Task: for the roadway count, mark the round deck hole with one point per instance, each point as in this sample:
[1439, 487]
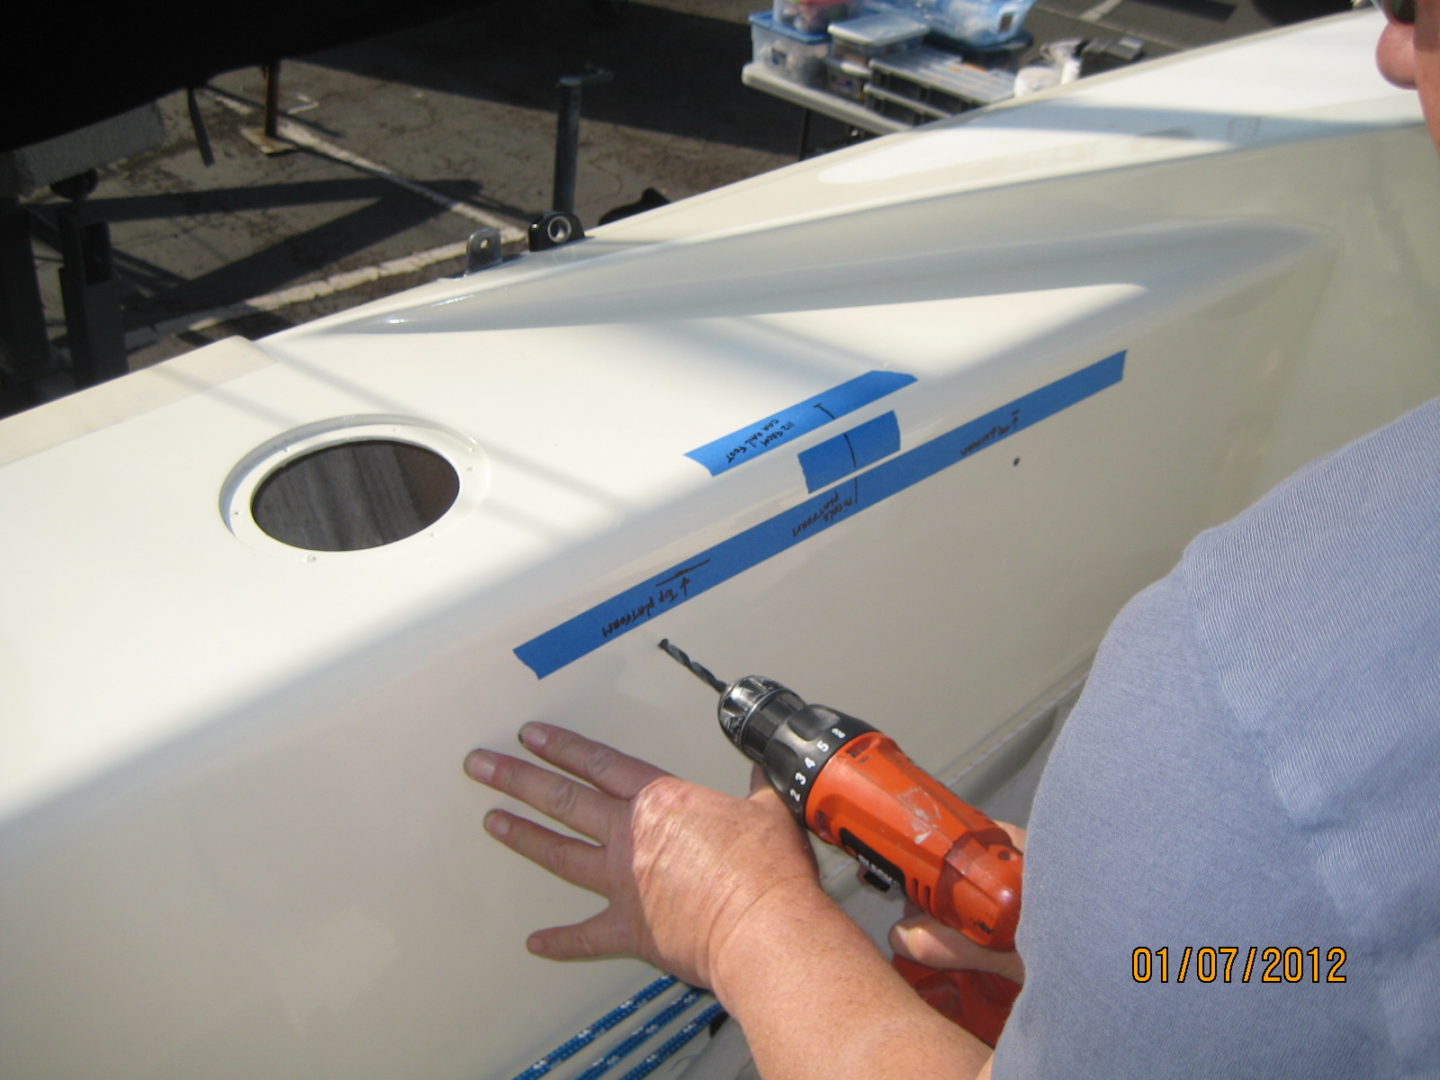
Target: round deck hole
[354, 495]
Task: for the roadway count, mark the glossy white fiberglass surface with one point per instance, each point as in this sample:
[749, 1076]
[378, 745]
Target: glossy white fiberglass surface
[236, 840]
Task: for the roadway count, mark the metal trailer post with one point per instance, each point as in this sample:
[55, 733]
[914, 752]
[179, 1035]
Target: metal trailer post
[567, 135]
[25, 356]
[89, 287]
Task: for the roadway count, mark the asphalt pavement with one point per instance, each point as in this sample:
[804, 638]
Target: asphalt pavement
[395, 148]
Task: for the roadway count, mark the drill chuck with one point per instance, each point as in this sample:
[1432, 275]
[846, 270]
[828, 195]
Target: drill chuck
[751, 709]
[788, 738]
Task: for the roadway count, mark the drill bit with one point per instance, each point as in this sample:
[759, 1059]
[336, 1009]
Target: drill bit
[701, 672]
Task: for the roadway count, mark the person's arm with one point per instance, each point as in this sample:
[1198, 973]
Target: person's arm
[817, 1000]
[722, 892]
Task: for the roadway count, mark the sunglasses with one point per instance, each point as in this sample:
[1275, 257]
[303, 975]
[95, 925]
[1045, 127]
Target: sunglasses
[1402, 11]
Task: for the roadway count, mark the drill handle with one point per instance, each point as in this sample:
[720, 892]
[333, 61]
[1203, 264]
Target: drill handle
[902, 824]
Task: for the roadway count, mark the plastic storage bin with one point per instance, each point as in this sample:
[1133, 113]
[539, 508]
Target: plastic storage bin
[847, 80]
[787, 52]
[926, 83]
[858, 41]
[811, 16]
[969, 22]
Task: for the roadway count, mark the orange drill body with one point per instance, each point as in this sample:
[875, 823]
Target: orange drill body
[954, 862]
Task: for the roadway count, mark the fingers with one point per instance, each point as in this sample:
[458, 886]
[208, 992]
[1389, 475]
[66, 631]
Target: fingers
[597, 936]
[933, 944]
[581, 808]
[573, 860]
[930, 942]
[758, 780]
[1015, 832]
[609, 770]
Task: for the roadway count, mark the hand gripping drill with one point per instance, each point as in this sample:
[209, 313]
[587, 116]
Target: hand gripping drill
[853, 787]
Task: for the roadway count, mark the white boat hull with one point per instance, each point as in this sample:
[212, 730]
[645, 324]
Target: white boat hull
[235, 839]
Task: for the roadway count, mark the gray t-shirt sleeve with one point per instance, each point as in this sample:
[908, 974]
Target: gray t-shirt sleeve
[1254, 765]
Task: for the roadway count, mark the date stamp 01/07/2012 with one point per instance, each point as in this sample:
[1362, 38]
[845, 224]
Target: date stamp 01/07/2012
[1233, 963]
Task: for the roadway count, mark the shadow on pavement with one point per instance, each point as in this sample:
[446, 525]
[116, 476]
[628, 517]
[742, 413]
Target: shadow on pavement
[675, 72]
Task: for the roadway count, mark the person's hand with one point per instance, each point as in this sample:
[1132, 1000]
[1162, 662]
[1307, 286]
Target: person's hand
[928, 941]
[680, 864]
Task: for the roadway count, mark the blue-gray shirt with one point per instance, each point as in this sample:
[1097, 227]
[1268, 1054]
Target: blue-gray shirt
[1255, 764]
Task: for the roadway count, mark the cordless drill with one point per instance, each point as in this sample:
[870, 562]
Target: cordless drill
[854, 788]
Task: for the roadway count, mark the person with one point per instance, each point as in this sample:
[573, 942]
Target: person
[1247, 787]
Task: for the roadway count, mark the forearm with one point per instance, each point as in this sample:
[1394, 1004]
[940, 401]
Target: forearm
[817, 999]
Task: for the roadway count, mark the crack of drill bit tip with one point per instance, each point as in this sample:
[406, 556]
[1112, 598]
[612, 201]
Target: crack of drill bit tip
[704, 674]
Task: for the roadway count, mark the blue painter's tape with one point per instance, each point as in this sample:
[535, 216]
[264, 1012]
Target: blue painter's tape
[837, 458]
[775, 430]
[634, 607]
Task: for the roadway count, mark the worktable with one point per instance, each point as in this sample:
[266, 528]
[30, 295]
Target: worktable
[813, 99]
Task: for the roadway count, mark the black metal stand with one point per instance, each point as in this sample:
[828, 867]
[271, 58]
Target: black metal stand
[266, 138]
[29, 371]
[567, 135]
[89, 287]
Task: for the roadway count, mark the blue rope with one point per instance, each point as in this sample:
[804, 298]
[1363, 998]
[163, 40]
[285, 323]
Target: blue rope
[678, 1040]
[640, 1035]
[586, 1036]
